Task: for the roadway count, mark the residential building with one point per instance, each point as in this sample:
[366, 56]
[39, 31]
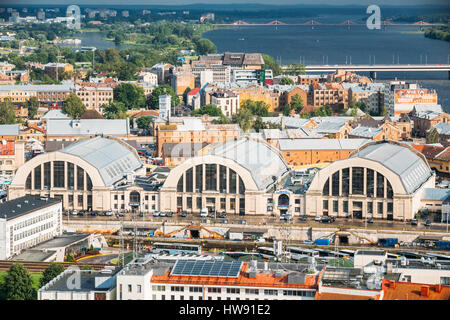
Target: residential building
[301, 152]
[427, 116]
[52, 69]
[12, 77]
[27, 221]
[226, 100]
[443, 130]
[401, 97]
[94, 97]
[165, 106]
[145, 279]
[92, 285]
[163, 71]
[174, 154]
[12, 156]
[69, 130]
[195, 131]
[148, 77]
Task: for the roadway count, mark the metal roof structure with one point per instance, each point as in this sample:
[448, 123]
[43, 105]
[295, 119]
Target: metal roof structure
[401, 159]
[88, 127]
[264, 162]
[442, 128]
[366, 132]
[9, 130]
[55, 114]
[112, 158]
[289, 122]
[207, 268]
[27, 204]
[435, 194]
[321, 144]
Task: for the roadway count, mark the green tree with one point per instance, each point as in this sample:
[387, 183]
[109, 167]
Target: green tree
[185, 94]
[269, 63]
[144, 122]
[287, 81]
[114, 110]
[163, 89]
[205, 46]
[73, 106]
[295, 69]
[208, 109]
[127, 72]
[243, 118]
[286, 110]
[7, 112]
[384, 111]
[132, 96]
[296, 103]
[50, 273]
[432, 136]
[18, 284]
[256, 108]
[32, 105]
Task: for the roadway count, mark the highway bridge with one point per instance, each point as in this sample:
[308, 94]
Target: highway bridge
[317, 23]
[373, 69]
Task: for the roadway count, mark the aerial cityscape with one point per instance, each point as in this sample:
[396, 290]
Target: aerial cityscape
[224, 151]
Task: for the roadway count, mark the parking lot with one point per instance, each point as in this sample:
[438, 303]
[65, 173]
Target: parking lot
[221, 218]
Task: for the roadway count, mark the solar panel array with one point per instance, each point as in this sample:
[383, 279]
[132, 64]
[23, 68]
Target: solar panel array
[207, 268]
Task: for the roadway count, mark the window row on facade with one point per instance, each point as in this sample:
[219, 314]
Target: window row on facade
[211, 177]
[358, 181]
[58, 174]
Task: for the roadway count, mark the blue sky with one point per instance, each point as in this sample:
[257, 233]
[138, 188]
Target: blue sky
[182, 2]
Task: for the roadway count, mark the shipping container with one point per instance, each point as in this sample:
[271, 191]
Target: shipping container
[322, 242]
[387, 242]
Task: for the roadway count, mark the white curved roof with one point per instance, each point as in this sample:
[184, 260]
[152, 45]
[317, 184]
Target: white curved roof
[113, 159]
[411, 168]
[257, 156]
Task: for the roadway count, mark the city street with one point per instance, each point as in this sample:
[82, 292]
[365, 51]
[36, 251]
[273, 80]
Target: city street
[268, 220]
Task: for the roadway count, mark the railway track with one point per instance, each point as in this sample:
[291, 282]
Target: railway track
[41, 266]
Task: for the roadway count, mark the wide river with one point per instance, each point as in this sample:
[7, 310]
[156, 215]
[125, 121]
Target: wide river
[343, 45]
[332, 45]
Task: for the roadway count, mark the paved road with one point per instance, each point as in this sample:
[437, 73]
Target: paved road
[268, 220]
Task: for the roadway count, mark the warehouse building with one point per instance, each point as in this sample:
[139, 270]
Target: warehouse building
[383, 180]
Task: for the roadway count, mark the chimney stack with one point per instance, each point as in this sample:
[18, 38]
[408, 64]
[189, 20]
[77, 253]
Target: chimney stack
[425, 291]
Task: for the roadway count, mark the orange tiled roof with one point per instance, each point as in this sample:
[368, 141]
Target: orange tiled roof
[414, 291]
[444, 155]
[337, 296]
[145, 113]
[7, 148]
[428, 151]
[261, 280]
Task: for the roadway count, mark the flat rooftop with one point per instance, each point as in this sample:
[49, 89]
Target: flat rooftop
[87, 281]
[24, 205]
[65, 240]
[34, 255]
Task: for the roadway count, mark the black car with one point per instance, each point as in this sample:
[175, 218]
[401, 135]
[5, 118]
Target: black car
[94, 213]
[326, 219]
[141, 214]
[302, 218]
[370, 220]
[427, 223]
[169, 214]
[81, 213]
[414, 222]
[183, 214]
[223, 214]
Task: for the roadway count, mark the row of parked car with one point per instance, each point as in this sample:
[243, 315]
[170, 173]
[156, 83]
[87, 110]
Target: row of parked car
[82, 213]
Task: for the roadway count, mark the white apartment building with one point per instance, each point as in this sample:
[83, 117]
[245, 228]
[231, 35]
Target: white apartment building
[164, 106]
[227, 101]
[145, 278]
[27, 221]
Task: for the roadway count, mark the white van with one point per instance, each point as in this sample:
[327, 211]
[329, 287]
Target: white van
[204, 212]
